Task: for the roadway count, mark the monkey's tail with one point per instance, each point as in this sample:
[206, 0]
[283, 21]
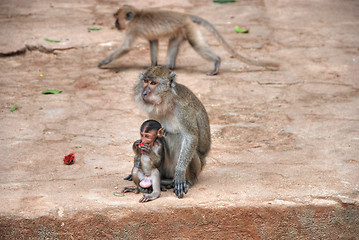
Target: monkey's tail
[210, 27]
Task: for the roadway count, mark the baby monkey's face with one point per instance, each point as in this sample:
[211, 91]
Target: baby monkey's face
[148, 137]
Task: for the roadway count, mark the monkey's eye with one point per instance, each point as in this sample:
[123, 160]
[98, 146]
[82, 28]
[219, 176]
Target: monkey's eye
[145, 80]
[153, 83]
[129, 16]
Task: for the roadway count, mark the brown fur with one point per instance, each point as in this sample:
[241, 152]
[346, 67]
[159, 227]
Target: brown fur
[154, 24]
[185, 120]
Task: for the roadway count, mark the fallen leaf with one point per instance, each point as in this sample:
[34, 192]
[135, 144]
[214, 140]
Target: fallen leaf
[13, 108]
[51, 91]
[241, 30]
[51, 40]
[118, 194]
[94, 28]
[223, 1]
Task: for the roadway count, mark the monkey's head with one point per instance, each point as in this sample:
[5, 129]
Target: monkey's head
[156, 88]
[150, 130]
[124, 15]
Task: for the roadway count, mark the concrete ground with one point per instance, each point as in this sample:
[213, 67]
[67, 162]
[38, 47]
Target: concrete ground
[284, 160]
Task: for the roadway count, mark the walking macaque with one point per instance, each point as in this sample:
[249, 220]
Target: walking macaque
[185, 120]
[154, 24]
[149, 156]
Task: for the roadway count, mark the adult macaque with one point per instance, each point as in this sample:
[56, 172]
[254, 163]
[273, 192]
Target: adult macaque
[154, 24]
[185, 120]
[149, 156]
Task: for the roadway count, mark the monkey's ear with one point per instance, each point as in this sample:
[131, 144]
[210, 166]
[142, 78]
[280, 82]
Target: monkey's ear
[142, 76]
[129, 16]
[172, 79]
[160, 133]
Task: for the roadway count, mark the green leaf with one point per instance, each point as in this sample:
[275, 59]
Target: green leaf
[235, 137]
[78, 146]
[51, 91]
[51, 40]
[223, 1]
[118, 194]
[13, 108]
[241, 30]
[94, 28]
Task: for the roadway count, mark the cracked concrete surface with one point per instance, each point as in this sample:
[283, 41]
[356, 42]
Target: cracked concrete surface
[284, 161]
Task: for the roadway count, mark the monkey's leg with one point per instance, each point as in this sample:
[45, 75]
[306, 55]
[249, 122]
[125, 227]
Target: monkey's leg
[172, 51]
[156, 185]
[186, 155]
[196, 40]
[154, 51]
[137, 175]
[125, 48]
[136, 167]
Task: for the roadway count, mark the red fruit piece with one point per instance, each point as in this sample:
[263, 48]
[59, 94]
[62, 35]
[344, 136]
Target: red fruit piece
[69, 159]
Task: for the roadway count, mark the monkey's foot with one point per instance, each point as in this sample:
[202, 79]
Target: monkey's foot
[129, 177]
[170, 67]
[130, 189]
[145, 199]
[216, 67]
[164, 187]
[149, 197]
[212, 73]
[145, 190]
[104, 62]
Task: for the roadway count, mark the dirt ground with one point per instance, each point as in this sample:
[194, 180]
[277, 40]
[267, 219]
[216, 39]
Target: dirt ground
[284, 160]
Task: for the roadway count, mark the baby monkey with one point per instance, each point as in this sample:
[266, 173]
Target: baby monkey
[148, 157]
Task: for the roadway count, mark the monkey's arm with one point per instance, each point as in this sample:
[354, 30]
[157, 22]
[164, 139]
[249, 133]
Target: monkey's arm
[125, 48]
[135, 147]
[136, 164]
[189, 143]
[136, 160]
[156, 154]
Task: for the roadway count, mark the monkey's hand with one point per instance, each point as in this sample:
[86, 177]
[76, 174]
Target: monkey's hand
[180, 184]
[145, 149]
[136, 148]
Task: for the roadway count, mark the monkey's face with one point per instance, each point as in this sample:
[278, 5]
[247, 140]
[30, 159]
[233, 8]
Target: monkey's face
[148, 137]
[123, 16]
[150, 91]
[156, 90]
